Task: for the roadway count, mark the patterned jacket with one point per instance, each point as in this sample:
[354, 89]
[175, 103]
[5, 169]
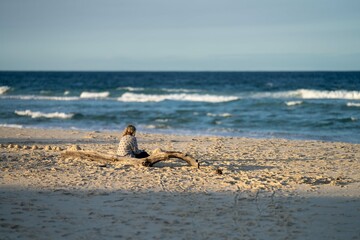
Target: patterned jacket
[128, 146]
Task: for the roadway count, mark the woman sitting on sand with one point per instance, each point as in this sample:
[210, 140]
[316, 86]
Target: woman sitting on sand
[128, 144]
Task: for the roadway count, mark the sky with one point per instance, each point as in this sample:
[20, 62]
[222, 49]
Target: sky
[180, 35]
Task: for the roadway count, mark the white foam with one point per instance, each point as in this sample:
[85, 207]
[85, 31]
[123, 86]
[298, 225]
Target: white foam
[338, 94]
[130, 89]
[94, 94]
[312, 94]
[132, 97]
[293, 103]
[162, 120]
[11, 125]
[176, 90]
[4, 89]
[44, 115]
[35, 97]
[219, 115]
[352, 104]
[180, 90]
[66, 92]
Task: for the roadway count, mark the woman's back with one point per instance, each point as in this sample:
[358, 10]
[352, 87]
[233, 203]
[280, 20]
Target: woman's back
[128, 146]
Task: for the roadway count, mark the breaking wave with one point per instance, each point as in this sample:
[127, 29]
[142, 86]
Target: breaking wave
[293, 103]
[312, 94]
[180, 90]
[32, 114]
[83, 96]
[94, 94]
[225, 115]
[131, 89]
[173, 90]
[132, 97]
[4, 89]
[352, 104]
[36, 97]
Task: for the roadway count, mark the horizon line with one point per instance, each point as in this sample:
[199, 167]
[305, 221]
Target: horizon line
[179, 70]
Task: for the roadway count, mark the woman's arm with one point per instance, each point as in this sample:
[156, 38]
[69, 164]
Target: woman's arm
[134, 146]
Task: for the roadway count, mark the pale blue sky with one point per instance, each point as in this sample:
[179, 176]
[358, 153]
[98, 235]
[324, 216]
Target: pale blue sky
[239, 35]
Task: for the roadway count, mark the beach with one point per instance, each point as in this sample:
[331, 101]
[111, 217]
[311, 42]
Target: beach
[245, 188]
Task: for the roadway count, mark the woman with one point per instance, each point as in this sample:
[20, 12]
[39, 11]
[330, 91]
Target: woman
[128, 144]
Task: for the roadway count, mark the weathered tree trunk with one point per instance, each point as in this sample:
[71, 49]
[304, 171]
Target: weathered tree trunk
[157, 156]
[166, 155]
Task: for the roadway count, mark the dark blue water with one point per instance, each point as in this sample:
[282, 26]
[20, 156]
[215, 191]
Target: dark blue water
[293, 105]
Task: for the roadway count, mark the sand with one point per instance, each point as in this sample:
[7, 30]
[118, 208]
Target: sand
[245, 188]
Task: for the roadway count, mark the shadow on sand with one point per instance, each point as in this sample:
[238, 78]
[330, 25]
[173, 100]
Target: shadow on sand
[99, 214]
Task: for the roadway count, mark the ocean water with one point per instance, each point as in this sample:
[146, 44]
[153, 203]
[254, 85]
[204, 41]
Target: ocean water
[292, 105]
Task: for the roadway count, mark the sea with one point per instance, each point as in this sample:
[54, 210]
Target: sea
[291, 105]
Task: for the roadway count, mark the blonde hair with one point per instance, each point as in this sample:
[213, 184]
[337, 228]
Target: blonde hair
[129, 130]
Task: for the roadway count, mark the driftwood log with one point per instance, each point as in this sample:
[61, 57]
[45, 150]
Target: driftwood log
[157, 156]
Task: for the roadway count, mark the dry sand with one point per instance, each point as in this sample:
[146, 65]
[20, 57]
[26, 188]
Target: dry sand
[267, 189]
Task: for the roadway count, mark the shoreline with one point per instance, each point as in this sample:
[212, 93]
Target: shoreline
[268, 189]
[189, 133]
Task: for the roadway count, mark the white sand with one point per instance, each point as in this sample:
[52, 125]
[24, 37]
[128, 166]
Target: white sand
[268, 189]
